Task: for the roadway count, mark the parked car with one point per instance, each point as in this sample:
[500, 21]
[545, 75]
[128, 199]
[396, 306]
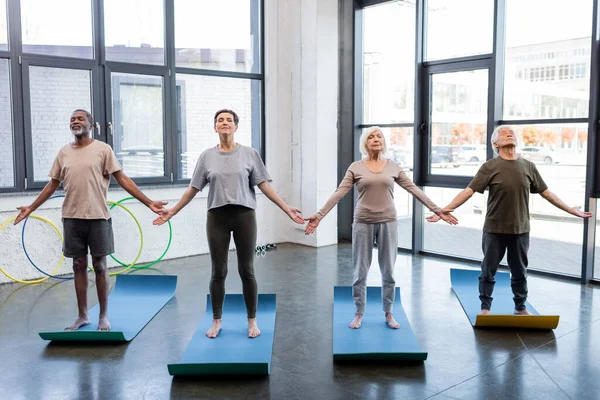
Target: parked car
[404, 158]
[539, 154]
[444, 155]
[474, 152]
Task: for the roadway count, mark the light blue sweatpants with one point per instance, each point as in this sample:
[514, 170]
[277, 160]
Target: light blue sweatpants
[364, 236]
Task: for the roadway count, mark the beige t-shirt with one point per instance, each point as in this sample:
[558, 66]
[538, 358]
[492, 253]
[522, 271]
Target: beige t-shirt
[375, 193]
[85, 173]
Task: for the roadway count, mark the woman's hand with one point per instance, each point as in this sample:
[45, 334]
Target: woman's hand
[295, 215]
[313, 223]
[165, 215]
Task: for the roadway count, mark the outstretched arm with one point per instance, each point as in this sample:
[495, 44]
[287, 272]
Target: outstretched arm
[44, 195]
[340, 192]
[272, 195]
[131, 188]
[458, 201]
[555, 201]
[166, 215]
[407, 184]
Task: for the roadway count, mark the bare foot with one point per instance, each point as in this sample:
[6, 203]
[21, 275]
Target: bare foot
[485, 312]
[391, 321]
[82, 320]
[103, 324]
[356, 322]
[253, 330]
[214, 329]
[522, 312]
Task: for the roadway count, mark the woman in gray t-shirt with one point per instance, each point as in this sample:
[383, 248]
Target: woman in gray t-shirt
[232, 170]
[374, 218]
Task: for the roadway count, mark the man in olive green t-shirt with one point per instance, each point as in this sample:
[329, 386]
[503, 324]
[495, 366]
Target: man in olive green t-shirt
[509, 180]
[85, 167]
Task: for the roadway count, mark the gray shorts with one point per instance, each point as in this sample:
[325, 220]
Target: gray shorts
[97, 234]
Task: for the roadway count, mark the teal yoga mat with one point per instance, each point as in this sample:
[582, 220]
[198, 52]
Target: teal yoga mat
[232, 352]
[375, 340]
[134, 301]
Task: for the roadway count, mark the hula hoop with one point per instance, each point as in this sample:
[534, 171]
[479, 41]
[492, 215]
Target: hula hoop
[127, 267]
[62, 258]
[159, 258]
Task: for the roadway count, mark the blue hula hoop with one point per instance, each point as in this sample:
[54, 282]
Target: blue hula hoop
[27, 254]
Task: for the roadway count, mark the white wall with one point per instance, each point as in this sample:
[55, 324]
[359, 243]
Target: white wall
[301, 154]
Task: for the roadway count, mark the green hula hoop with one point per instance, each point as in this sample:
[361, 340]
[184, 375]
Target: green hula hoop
[153, 262]
[127, 267]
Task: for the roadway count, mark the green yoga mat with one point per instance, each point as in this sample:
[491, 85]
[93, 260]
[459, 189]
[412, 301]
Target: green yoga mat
[134, 301]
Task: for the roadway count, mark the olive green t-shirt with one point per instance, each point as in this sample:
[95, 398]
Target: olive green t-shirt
[509, 183]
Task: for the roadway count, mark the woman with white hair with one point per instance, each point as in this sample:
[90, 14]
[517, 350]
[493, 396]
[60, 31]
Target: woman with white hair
[374, 218]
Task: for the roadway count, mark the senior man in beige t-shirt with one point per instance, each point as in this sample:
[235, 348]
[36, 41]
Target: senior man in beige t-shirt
[85, 166]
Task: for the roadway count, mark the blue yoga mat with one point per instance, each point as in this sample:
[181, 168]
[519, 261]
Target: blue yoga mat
[465, 284]
[374, 340]
[232, 352]
[134, 301]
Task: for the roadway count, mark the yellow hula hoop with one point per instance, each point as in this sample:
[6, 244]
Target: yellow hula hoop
[62, 257]
[141, 240]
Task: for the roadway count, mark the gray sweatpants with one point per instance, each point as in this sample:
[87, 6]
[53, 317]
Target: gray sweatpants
[364, 236]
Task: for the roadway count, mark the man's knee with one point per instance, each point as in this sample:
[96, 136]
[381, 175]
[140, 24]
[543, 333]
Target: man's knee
[79, 264]
[99, 264]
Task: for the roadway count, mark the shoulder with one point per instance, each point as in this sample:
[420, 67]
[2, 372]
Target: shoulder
[249, 151]
[394, 165]
[101, 146]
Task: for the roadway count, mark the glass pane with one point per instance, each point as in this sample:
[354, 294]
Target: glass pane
[389, 64]
[202, 41]
[7, 174]
[459, 28]
[401, 150]
[3, 26]
[597, 249]
[462, 240]
[134, 31]
[54, 94]
[43, 27]
[560, 153]
[458, 122]
[547, 69]
[138, 124]
[198, 98]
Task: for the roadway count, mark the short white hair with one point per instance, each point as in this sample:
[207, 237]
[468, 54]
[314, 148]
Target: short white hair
[496, 134]
[365, 135]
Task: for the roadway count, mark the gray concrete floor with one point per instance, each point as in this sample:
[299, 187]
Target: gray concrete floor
[463, 363]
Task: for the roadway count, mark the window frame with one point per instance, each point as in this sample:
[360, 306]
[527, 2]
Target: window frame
[101, 69]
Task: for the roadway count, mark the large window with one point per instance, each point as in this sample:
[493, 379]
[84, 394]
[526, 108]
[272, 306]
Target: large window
[151, 72]
[137, 106]
[53, 95]
[134, 31]
[459, 28]
[7, 175]
[3, 26]
[57, 28]
[547, 69]
[458, 122]
[221, 35]
[480, 64]
[389, 64]
[199, 97]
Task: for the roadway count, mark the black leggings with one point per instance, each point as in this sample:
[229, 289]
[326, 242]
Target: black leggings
[219, 225]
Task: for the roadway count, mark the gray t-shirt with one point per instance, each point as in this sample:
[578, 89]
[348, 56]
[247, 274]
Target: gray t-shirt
[231, 175]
